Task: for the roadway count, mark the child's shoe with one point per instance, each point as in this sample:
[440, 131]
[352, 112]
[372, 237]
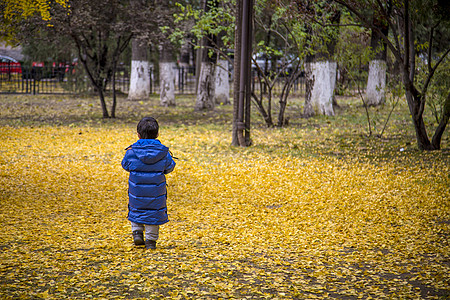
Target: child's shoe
[138, 237]
[150, 244]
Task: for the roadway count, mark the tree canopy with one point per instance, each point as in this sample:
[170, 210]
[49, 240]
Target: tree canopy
[287, 33]
[15, 11]
[410, 20]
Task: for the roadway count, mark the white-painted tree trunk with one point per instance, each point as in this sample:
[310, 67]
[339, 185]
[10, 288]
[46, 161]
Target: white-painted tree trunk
[222, 84]
[167, 83]
[139, 80]
[206, 87]
[323, 81]
[376, 83]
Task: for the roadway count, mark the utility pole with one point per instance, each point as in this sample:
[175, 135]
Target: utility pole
[243, 52]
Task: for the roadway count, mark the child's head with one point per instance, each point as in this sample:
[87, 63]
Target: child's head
[148, 128]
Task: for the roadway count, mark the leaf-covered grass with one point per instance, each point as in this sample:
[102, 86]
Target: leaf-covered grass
[313, 210]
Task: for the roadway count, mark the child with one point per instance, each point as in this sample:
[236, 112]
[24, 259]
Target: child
[148, 161]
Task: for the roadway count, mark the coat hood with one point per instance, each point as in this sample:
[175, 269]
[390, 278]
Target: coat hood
[149, 151]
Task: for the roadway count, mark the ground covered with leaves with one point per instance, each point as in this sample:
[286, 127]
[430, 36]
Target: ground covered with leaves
[313, 210]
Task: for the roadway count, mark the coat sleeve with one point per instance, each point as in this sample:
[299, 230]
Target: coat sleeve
[170, 164]
[126, 160]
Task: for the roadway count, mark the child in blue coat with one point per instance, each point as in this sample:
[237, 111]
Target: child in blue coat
[148, 161]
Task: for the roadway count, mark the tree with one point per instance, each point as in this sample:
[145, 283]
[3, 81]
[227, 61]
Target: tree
[320, 66]
[406, 19]
[167, 65]
[277, 57]
[38, 44]
[222, 84]
[353, 54]
[376, 81]
[167, 74]
[206, 85]
[210, 29]
[139, 78]
[100, 36]
[14, 12]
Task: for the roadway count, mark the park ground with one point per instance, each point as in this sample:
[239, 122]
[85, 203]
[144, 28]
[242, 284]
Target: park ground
[314, 210]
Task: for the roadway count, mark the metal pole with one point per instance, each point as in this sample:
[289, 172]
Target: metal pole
[244, 74]
[34, 82]
[248, 74]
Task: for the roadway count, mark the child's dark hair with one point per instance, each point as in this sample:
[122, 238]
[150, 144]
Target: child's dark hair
[148, 128]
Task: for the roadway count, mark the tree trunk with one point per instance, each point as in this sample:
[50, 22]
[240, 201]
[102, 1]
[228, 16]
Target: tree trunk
[322, 71]
[139, 78]
[103, 103]
[423, 142]
[413, 97]
[376, 81]
[222, 84]
[122, 44]
[282, 121]
[436, 142]
[206, 84]
[321, 82]
[114, 101]
[266, 114]
[167, 75]
[205, 94]
[198, 63]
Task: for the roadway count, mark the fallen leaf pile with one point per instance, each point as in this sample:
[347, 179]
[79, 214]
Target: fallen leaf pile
[313, 210]
[245, 223]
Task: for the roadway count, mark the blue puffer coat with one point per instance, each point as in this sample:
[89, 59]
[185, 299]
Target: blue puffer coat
[148, 161]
